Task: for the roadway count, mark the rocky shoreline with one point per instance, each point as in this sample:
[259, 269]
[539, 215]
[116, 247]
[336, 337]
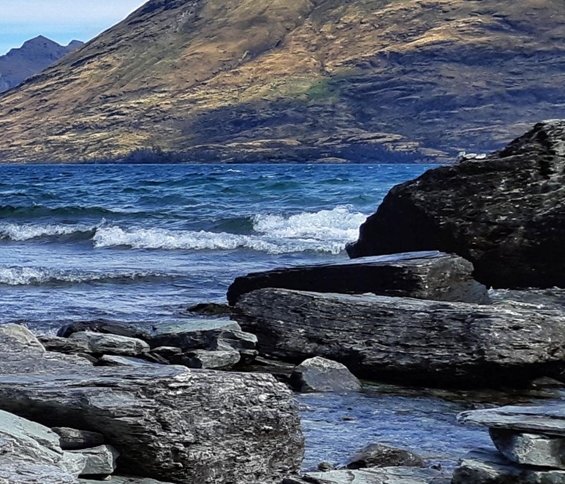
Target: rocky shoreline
[214, 403]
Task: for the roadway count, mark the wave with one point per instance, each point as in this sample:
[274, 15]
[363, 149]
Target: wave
[324, 231]
[23, 232]
[36, 276]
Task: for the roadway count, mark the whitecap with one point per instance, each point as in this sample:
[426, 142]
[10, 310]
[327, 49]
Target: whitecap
[23, 232]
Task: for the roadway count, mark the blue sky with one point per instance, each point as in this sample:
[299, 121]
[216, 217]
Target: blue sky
[59, 20]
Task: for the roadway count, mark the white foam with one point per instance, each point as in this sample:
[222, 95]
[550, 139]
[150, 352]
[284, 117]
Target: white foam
[325, 231]
[23, 232]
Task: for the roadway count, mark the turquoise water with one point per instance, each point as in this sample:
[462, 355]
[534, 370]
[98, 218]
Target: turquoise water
[138, 243]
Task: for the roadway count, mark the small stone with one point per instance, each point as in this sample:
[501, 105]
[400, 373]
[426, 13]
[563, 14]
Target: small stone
[322, 375]
[212, 360]
[99, 461]
[379, 455]
[114, 360]
[326, 466]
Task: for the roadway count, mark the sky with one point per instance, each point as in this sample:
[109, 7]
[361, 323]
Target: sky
[59, 20]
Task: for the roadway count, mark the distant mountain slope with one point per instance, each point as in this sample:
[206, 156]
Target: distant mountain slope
[32, 57]
[360, 80]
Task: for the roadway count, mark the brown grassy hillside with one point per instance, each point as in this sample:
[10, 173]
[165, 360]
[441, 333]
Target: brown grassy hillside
[253, 80]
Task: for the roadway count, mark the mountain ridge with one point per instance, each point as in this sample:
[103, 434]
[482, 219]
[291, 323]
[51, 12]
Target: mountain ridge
[32, 57]
[309, 80]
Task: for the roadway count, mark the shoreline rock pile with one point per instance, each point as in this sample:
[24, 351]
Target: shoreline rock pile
[530, 443]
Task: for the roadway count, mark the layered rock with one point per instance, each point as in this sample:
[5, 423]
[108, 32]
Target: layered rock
[505, 213]
[168, 422]
[425, 275]
[386, 475]
[408, 340]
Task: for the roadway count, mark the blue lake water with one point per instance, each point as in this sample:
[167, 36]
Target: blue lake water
[140, 243]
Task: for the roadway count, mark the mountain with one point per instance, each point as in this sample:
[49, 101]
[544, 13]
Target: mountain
[32, 57]
[295, 80]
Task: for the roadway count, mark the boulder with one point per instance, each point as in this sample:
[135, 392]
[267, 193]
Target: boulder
[218, 360]
[322, 375]
[408, 340]
[379, 455]
[168, 422]
[530, 449]
[101, 344]
[22, 334]
[505, 214]
[30, 453]
[540, 419]
[98, 461]
[487, 466]
[64, 345]
[108, 327]
[74, 439]
[424, 275]
[385, 475]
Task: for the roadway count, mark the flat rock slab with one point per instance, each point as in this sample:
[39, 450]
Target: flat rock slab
[505, 213]
[424, 275]
[385, 475]
[543, 419]
[530, 449]
[168, 422]
[404, 339]
[111, 344]
[487, 466]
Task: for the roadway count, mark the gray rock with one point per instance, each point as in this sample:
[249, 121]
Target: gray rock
[385, 475]
[30, 454]
[505, 213]
[530, 449]
[541, 419]
[123, 480]
[112, 344]
[407, 340]
[106, 327]
[166, 352]
[379, 455]
[322, 375]
[218, 360]
[73, 439]
[22, 334]
[168, 422]
[487, 466]
[64, 345]
[98, 461]
[114, 360]
[424, 275]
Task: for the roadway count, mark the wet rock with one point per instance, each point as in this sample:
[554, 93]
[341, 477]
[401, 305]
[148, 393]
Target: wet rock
[166, 352]
[103, 327]
[542, 419]
[379, 455]
[422, 275]
[486, 466]
[210, 309]
[101, 344]
[385, 475]
[223, 427]
[322, 375]
[64, 345]
[98, 461]
[326, 466]
[74, 439]
[407, 340]
[505, 214]
[218, 360]
[530, 449]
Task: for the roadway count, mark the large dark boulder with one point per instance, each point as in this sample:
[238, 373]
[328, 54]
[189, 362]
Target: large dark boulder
[407, 340]
[424, 275]
[506, 213]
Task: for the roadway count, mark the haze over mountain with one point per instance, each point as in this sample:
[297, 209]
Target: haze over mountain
[32, 57]
[357, 80]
